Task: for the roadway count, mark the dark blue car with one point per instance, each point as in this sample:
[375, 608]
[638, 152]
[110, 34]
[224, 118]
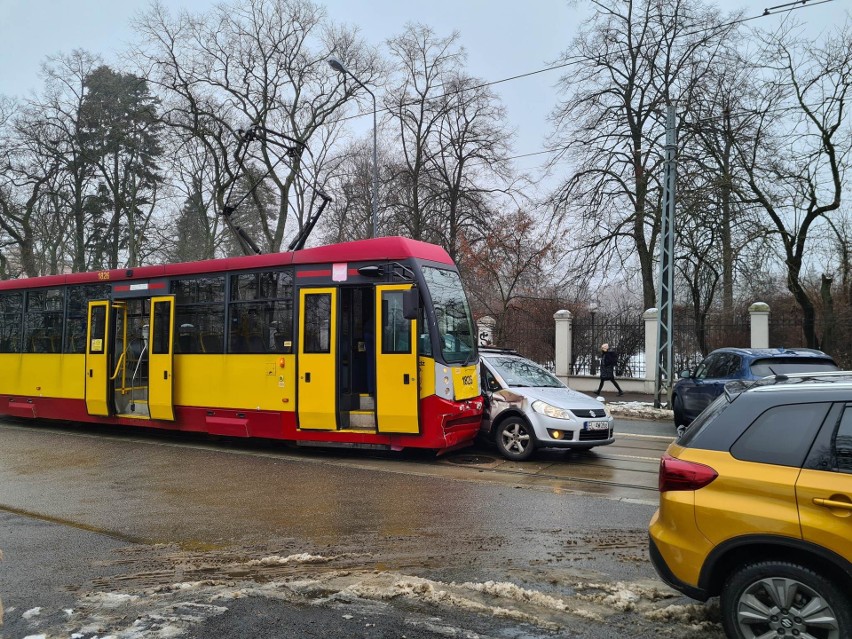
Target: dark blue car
[696, 389]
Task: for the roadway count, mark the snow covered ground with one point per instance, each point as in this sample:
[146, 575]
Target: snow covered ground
[170, 609]
[639, 410]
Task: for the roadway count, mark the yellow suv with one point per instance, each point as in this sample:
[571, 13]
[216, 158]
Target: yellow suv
[756, 507]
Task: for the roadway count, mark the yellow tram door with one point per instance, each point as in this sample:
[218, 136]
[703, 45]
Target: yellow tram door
[97, 358]
[161, 358]
[397, 393]
[317, 364]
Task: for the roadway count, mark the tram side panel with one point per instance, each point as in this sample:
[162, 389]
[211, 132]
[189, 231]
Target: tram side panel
[45, 385]
[236, 395]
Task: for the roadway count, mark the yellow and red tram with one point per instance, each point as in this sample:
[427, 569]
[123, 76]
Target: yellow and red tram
[367, 343]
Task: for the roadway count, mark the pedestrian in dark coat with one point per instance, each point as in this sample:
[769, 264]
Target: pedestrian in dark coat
[608, 361]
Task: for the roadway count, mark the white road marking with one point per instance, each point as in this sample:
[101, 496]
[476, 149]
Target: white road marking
[662, 438]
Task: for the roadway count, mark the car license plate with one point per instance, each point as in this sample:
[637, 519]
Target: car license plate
[597, 425]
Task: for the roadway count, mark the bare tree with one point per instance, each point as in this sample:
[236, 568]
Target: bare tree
[796, 161]
[516, 258]
[50, 127]
[423, 62]
[629, 62]
[468, 161]
[262, 64]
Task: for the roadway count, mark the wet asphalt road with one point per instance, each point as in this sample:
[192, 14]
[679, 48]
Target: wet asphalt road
[149, 535]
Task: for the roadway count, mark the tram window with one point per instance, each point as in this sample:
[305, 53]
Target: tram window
[396, 330]
[260, 312]
[98, 341]
[261, 327]
[11, 308]
[199, 314]
[263, 285]
[76, 318]
[43, 321]
[424, 342]
[162, 334]
[318, 323]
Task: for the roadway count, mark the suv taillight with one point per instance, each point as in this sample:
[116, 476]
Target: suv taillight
[676, 474]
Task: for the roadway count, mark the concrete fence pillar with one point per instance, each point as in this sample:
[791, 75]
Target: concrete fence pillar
[759, 312]
[485, 330]
[651, 317]
[562, 360]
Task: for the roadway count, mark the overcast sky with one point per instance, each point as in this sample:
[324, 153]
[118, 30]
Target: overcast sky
[503, 38]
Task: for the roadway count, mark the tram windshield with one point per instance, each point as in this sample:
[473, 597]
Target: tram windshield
[452, 314]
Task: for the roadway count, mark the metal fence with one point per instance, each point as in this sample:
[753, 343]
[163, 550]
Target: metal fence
[625, 336]
[531, 332]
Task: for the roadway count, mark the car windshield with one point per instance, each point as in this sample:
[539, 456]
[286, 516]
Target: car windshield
[788, 365]
[517, 371]
[452, 314]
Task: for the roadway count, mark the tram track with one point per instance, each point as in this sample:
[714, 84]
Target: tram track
[494, 468]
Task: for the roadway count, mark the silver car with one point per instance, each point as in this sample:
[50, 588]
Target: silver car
[526, 407]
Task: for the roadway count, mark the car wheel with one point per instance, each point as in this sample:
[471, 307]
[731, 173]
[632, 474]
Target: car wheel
[774, 598]
[515, 439]
[677, 408]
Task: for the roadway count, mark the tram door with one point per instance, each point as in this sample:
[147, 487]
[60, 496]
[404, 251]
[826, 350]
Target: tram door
[317, 359]
[397, 394]
[129, 358]
[98, 358]
[161, 359]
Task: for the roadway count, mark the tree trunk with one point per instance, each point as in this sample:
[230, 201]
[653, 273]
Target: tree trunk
[829, 319]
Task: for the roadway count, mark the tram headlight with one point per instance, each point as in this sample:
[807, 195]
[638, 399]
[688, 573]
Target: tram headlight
[551, 411]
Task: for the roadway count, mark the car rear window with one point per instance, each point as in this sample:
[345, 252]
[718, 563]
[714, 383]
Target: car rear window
[781, 435]
[707, 417]
[788, 365]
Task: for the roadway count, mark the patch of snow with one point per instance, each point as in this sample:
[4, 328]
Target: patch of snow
[302, 558]
[110, 599]
[640, 410]
[508, 590]
[32, 612]
[696, 616]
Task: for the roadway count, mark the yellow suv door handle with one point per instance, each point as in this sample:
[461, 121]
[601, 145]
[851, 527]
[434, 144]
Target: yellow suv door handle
[833, 503]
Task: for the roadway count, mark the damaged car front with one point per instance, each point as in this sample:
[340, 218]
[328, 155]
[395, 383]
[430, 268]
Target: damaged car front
[527, 407]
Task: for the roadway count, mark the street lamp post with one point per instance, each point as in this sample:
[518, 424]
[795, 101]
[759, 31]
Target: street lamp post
[337, 65]
[593, 307]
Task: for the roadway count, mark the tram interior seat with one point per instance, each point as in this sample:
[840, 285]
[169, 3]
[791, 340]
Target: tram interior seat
[186, 339]
[238, 344]
[254, 344]
[43, 344]
[77, 343]
[211, 342]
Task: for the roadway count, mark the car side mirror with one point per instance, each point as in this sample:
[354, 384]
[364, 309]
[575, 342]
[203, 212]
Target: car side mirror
[684, 374]
[411, 303]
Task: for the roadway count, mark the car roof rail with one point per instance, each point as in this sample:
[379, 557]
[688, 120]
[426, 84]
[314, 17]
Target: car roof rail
[497, 349]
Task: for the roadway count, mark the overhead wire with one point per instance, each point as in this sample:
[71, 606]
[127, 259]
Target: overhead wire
[767, 12]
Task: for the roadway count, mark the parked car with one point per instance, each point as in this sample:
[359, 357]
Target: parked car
[526, 407]
[694, 391]
[756, 507]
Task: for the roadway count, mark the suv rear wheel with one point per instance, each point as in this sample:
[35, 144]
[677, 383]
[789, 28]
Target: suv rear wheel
[775, 598]
[515, 439]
